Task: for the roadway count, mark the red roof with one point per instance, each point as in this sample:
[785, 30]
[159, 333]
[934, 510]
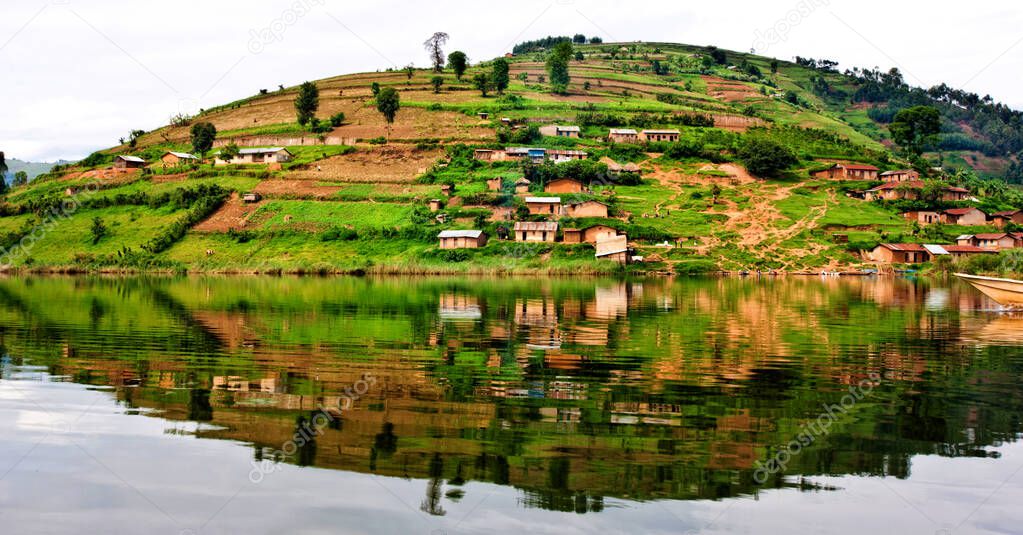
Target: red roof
[1007, 213]
[905, 247]
[956, 189]
[897, 172]
[990, 236]
[959, 211]
[913, 184]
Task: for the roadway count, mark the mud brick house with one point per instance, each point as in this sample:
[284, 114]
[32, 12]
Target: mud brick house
[549, 206]
[129, 162]
[654, 136]
[554, 130]
[565, 185]
[1001, 219]
[178, 158]
[963, 216]
[613, 248]
[589, 234]
[841, 171]
[536, 231]
[462, 239]
[900, 175]
[258, 155]
[586, 209]
[623, 135]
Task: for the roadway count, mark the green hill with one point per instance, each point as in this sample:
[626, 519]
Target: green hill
[355, 196]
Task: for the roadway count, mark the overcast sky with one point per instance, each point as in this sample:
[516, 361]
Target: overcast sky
[79, 74]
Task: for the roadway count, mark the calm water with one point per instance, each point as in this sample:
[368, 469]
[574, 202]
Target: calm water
[260, 405]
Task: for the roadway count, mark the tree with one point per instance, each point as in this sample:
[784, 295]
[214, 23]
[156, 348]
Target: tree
[482, 83]
[596, 40]
[523, 77]
[765, 157]
[915, 128]
[229, 152]
[579, 39]
[434, 45]
[20, 178]
[375, 89]
[774, 66]
[99, 230]
[410, 71]
[388, 103]
[3, 166]
[579, 56]
[557, 67]
[203, 135]
[458, 62]
[437, 82]
[133, 137]
[307, 102]
[499, 75]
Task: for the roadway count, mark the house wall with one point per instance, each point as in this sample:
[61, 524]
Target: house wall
[1004, 243]
[621, 258]
[660, 137]
[565, 186]
[586, 209]
[535, 235]
[544, 208]
[592, 234]
[972, 218]
[623, 138]
[572, 236]
[462, 243]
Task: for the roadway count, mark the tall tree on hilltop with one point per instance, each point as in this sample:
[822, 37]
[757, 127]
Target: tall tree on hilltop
[307, 102]
[388, 103]
[434, 45]
[3, 165]
[458, 62]
[203, 135]
[557, 67]
[499, 75]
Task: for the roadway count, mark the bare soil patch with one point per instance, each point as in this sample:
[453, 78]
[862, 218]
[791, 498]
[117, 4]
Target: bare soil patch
[388, 163]
[232, 215]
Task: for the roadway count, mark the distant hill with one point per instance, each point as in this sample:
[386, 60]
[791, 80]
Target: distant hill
[33, 169]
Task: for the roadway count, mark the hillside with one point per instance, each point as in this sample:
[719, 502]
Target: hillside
[355, 196]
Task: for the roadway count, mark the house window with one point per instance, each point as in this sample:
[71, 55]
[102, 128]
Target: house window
[257, 158]
[543, 236]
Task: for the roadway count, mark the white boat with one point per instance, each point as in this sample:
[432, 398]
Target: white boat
[1006, 292]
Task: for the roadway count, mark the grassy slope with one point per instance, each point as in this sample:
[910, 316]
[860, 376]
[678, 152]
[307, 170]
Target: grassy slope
[795, 218]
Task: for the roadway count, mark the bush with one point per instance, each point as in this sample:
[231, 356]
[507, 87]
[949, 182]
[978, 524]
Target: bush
[765, 157]
[339, 234]
[696, 266]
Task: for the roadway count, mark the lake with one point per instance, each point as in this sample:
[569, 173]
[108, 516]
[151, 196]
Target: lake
[203, 405]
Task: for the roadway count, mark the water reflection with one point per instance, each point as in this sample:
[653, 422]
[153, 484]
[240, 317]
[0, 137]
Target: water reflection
[571, 391]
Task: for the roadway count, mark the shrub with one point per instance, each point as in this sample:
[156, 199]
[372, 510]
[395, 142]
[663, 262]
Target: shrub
[765, 157]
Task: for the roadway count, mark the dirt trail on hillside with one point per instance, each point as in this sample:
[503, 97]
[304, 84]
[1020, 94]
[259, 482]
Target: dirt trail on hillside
[233, 215]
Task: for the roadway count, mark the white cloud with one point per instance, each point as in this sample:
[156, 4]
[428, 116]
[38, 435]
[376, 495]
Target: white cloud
[78, 75]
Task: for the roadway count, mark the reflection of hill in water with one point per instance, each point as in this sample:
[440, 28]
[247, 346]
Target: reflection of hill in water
[570, 390]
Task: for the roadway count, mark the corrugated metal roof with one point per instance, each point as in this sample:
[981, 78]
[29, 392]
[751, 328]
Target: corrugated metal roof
[907, 247]
[543, 200]
[460, 234]
[610, 245]
[661, 132]
[184, 155]
[261, 150]
[538, 226]
[624, 131]
[131, 159]
[935, 249]
[968, 249]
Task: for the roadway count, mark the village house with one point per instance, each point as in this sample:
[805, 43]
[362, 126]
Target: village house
[654, 136]
[923, 217]
[623, 135]
[589, 234]
[565, 185]
[900, 253]
[251, 197]
[447, 189]
[586, 209]
[536, 231]
[560, 155]
[613, 248]
[495, 184]
[912, 190]
[489, 155]
[997, 241]
[957, 251]
[462, 239]
[177, 158]
[128, 162]
[900, 175]
[848, 172]
[544, 206]
[963, 216]
[258, 155]
[436, 205]
[554, 130]
[1001, 219]
[522, 185]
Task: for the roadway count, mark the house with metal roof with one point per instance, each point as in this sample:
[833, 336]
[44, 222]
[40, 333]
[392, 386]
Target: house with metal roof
[258, 155]
[549, 206]
[128, 162]
[536, 231]
[462, 239]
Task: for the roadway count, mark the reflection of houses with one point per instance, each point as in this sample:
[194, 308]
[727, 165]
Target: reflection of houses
[459, 307]
[539, 318]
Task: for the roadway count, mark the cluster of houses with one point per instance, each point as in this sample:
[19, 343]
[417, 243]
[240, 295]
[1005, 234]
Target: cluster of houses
[967, 217]
[899, 184]
[628, 135]
[535, 155]
[610, 244]
[967, 244]
[255, 155]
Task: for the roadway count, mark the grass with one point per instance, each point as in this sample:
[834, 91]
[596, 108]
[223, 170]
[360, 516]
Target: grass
[322, 215]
